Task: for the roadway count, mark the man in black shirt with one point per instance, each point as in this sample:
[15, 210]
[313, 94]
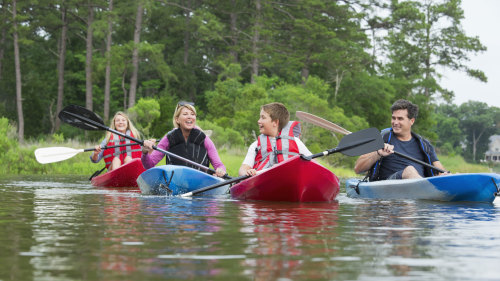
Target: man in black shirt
[383, 164]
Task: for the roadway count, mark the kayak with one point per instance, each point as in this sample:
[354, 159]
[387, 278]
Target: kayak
[293, 180]
[177, 180]
[124, 176]
[477, 187]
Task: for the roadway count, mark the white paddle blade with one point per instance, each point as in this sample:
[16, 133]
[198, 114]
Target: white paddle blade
[55, 154]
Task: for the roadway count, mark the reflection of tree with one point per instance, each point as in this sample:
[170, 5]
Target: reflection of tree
[17, 236]
[285, 236]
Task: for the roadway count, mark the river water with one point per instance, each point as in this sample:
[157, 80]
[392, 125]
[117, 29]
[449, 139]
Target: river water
[61, 228]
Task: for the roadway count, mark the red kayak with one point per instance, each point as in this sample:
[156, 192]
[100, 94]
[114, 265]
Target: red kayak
[125, 176]
[294, 180]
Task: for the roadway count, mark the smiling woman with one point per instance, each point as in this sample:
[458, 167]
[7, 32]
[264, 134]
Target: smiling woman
[186, 140]
[117, 156]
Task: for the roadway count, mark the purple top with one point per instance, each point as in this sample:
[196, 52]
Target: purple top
[150, 160]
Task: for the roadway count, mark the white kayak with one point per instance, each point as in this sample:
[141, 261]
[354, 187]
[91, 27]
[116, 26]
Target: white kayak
[477, 187]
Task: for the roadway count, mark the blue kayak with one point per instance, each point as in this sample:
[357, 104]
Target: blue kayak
[176, 180]
[477, 187]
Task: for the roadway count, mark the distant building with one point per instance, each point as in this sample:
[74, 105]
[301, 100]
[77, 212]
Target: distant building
[493, 153]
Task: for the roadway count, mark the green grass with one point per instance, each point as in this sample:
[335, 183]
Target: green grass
[457, 164]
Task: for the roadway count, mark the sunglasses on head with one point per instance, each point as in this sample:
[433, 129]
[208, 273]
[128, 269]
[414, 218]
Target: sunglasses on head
[182, 103]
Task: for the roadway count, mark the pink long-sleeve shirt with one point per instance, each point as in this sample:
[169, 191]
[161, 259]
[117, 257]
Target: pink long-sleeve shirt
[151, 159]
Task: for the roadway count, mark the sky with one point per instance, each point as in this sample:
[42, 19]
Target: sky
[482, 19]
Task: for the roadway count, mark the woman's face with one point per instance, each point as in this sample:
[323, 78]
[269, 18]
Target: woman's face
[121, 123]
[266, 125]
[186, 119]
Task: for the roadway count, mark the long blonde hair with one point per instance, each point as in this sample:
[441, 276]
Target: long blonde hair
[178, 110]
[130, 126]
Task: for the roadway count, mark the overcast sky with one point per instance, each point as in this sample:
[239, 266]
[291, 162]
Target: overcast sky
[482, 18]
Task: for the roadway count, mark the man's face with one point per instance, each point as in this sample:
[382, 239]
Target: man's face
[401, 124]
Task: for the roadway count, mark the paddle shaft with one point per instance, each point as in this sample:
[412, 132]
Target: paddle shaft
[340, 149]
[141, 142]
[112, 146]
[336, 128]
[210, 187]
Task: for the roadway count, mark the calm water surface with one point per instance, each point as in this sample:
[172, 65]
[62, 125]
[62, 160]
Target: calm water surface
[61, 228]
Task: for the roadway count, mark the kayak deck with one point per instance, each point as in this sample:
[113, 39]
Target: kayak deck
[124, 176]
[294, 180]
[176, 180]
[477, 187]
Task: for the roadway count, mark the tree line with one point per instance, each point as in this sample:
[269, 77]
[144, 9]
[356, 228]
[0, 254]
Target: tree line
[346, 61]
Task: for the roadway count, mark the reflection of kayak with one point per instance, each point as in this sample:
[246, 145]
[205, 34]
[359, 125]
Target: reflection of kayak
[176, 180]
[479, 187]
[124, 176]
[294, 180]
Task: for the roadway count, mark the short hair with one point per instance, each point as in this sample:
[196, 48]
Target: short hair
[404, 104]
[178, 110]
[277, 111]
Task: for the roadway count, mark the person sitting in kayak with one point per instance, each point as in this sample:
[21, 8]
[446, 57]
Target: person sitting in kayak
[383, 164]
[115, 157]
[279, 140]
[186, 140]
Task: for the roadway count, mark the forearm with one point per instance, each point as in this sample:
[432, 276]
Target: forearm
[366, 161]
[243, 169]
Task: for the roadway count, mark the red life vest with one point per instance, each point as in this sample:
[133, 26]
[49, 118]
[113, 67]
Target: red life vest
[271, 151]
[133, 151]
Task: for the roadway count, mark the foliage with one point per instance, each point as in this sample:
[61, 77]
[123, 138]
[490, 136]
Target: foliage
[145, 111]
[231, 57]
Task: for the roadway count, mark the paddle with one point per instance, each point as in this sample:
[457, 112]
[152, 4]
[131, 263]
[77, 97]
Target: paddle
[210, 187]
[83, 118]
[55, 154]
[308, 117]
[354, 144]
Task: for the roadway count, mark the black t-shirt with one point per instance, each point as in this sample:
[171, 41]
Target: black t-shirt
[394, 163]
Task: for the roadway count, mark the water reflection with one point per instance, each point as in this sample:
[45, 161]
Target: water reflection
[68, 230]
[282, 237]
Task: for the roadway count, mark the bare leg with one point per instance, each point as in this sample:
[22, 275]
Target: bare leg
[410, 173]
[115, 163]
[127, 159]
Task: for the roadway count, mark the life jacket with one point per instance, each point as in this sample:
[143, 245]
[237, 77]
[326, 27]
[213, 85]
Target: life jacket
[271, 151]
[425, 149]
[192, 149]
[133, 151]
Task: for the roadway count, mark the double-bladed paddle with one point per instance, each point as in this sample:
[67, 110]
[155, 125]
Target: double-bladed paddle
[354, 144]
[55, 154]
[313, 119]
[83, 118]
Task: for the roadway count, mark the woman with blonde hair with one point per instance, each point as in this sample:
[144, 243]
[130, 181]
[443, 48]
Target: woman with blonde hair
[115, 157]
[186, 140]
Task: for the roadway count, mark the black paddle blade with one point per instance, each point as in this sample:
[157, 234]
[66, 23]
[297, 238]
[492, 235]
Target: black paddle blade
[361, 142]
[83, 112]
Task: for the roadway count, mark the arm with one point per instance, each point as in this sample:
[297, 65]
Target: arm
[246, 167]
[151, 157]
[97, 154]
[302, 147]
[220, 169]
[440, 166]
[366, 161]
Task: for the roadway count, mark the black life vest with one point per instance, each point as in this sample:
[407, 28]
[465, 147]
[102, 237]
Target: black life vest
[425, 148]
[192, 149]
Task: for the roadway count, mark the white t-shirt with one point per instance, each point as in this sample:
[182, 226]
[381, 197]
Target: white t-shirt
[250, 158]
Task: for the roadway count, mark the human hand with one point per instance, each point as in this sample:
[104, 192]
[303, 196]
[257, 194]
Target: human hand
[147, 146]
[386, 151]
[251, 172]
[220, 172]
